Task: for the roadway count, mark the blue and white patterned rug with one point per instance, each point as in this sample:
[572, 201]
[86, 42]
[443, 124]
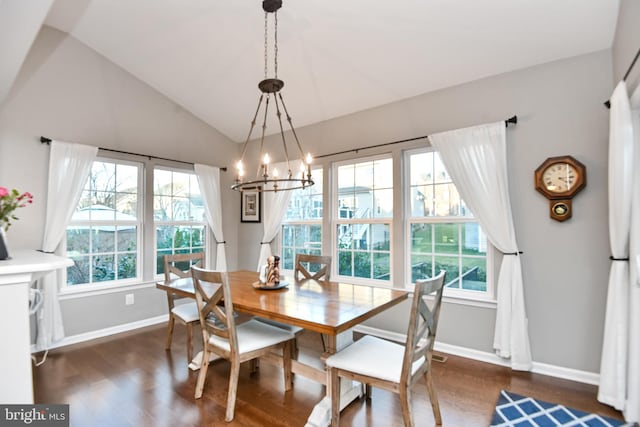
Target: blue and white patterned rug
[513, 410]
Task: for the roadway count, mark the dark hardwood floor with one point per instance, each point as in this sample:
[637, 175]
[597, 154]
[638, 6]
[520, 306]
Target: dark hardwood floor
[130, 380]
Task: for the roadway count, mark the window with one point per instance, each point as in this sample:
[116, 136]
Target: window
[363, 194]
[442, 233]
[179, 215]
[302, 224]
[104, 235]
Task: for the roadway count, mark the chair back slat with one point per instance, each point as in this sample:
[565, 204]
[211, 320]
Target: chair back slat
[324, 263]
[179, 264]
[213, 297]
[423, 323]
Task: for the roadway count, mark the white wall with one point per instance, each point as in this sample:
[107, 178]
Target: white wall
[627, 42]
[68, 92]
[560, 111]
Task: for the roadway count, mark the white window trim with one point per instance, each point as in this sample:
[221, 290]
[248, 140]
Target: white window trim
[486, 299]
[66, 288]
[182, 223]
[146, 276]
[335, 221]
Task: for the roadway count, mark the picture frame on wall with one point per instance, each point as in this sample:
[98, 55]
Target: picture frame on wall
[251, 205]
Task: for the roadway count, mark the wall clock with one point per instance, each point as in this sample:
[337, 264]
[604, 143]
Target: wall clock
[559, 179]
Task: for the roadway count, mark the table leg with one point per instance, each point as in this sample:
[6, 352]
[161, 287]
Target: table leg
[349, 390]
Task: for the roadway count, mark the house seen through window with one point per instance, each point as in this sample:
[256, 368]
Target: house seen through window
[302, 224]
[363, 194]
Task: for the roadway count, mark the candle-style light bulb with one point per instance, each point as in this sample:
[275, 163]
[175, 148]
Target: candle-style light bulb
[265, 166]
[309, 160]
[240, 170]
[275, 173]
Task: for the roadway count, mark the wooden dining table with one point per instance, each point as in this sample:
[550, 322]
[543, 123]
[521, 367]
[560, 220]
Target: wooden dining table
[327, 307]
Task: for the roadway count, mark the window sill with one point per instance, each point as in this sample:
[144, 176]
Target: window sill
[473, 302]
[82, 291]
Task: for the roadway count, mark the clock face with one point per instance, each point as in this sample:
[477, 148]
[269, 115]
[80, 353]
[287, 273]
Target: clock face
[559, 177]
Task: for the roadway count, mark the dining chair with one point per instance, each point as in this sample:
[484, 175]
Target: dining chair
[321, 271]
[392, 366]
[235, 342]
[321, 267]
[178, 265]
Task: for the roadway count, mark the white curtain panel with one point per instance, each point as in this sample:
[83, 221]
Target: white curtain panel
[476, 159]
[275, 207]
[69, 167]
[209, 182]
[613, 363]
[632, 407]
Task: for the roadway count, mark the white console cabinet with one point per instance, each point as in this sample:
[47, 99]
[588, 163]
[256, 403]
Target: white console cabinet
[16, 276]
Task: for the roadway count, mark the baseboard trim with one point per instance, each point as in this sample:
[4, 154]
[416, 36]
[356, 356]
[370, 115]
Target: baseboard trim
[100, 333]
[483, 356]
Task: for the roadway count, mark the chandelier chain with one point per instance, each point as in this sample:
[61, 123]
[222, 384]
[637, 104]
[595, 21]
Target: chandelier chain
[275, 43]
[266, 50]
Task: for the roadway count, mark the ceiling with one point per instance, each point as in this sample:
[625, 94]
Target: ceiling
[336, 57]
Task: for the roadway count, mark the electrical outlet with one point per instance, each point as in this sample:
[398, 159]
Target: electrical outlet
[128, 299]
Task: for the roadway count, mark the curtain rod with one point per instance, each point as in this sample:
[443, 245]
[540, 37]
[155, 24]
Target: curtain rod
[45, 140]
[607, 103]
[511, 120]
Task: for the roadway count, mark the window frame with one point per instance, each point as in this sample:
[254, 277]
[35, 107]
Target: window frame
[139, 223]
[335, 221]
[456, 294]
[147, 251]
[173, 223]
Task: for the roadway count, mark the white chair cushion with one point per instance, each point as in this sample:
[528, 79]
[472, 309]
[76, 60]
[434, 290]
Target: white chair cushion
[187, 312]
[293, 329]
[373, 357]
[253, 335]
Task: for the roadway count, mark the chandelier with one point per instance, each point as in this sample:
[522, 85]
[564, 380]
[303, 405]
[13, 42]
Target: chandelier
[267, 177]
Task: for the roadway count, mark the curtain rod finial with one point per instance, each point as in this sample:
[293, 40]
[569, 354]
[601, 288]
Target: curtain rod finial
[45, 140]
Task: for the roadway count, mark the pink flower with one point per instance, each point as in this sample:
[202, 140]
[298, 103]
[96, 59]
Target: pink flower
[9, 202]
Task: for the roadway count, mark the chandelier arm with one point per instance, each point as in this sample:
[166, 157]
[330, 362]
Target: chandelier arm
[253, 124]
[284, 142]
[293, 130]
[265, 167]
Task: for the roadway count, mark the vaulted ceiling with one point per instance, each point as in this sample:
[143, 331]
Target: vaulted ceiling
[336, 57]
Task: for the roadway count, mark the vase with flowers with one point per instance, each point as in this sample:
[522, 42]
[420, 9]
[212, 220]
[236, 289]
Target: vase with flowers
[10, 200]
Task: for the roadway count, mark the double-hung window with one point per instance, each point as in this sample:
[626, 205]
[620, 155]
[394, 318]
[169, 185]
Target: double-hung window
[302, 224]
[104, 235]
[179, 214]
[442, 233]
[362, 219]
